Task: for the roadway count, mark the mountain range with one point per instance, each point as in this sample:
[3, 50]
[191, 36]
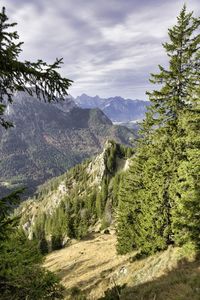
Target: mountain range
[47, 139]
[117, 109]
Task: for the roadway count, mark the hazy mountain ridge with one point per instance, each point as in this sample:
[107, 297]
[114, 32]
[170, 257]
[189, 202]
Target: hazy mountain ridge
[116, 108]
[49, 138]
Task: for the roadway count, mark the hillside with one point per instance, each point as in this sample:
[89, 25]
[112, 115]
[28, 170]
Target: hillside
[50, 138]
[117, 109]
[91, 269]
[121, 218]
[66, 213]
[70, 205]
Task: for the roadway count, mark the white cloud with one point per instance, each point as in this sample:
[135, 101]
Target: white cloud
[109, 47]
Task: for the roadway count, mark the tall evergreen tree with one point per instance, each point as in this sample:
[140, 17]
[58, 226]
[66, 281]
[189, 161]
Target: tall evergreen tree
[126, 220]
[21, 276]
[186, 185]
[161, 153]
[175, 93]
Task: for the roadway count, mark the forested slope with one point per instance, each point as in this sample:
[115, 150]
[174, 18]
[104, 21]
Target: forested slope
[70, 205]
[47, 139]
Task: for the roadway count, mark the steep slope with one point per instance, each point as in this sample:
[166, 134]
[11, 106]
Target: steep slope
[49, 138]
[91, 269]
[87, 267]
[80, 205]
[70, 206]
[116, 109]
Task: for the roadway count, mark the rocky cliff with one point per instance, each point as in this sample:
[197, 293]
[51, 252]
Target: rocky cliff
[72, 205]
[47, 139]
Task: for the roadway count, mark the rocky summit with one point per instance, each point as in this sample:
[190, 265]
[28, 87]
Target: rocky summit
[116, 108]
[49, 138]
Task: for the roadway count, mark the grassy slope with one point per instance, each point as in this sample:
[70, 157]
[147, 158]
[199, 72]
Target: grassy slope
[93, 268]
[88, 265]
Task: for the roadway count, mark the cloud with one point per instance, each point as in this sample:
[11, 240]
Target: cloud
[109, 47]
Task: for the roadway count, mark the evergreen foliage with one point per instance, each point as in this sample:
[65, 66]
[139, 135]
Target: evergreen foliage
[186, 185]
[7, 222]
[15, 75]
[159, 200]
[21, 274]
[82, 203]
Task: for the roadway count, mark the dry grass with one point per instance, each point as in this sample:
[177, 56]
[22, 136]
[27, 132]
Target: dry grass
[173, 274]
[182, 283]
[88, 265]
[93, 267]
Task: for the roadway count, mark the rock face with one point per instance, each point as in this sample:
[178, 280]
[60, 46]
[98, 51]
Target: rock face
[50, 138]
[77, 191]
[97, 167]
[116, 109]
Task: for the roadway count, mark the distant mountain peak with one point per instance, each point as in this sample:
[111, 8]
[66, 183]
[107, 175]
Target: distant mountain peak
[117, 109]
[48, 138]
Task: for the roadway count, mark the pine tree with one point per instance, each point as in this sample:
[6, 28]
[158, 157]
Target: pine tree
[83, 224]
[7, 221]
[152, 212]
[126, 220]
[153, 203]
[15, 75]
[21, 275]
[99, 205]
[169, 106]
[59, 227]
[186, 186]
[175, 93]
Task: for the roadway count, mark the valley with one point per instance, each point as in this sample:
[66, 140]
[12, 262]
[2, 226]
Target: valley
[99, 196]
[47, 139]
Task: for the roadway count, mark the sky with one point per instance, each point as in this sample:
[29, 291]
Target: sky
[109, 47]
